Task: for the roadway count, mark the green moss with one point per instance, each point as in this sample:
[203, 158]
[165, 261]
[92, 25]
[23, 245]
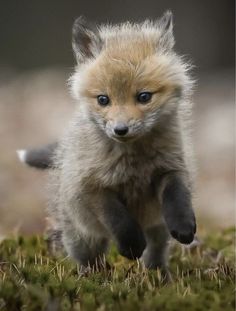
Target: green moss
[203, 279]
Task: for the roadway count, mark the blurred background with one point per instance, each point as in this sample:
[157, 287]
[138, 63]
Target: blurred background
[36, 60]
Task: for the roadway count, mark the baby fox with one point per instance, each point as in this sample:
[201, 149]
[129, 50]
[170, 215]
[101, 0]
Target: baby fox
[123, 169]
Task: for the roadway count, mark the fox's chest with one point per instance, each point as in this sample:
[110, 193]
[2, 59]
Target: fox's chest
[139, 194]
[132, 172]
[132, 178]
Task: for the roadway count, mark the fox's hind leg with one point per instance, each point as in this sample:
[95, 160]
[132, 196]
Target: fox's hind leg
[89, 252]
[156, 252]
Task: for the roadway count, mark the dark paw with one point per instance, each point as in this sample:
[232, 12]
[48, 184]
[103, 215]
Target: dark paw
[184, 233]
[132, 245]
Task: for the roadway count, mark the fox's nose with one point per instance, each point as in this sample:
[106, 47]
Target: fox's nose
[121, 129]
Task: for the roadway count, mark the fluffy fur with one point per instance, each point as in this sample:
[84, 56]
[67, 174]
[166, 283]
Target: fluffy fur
[135, 189]
[41, 158]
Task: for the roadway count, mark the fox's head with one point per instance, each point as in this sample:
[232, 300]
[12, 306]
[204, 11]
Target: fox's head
[128, 75]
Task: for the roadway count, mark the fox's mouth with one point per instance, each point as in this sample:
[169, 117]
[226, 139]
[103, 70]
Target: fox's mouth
[124, 139]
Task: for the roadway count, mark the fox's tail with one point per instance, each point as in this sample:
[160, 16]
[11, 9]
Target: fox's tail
[41, 158]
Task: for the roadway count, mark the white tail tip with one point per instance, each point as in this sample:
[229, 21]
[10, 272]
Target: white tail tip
[21, 155]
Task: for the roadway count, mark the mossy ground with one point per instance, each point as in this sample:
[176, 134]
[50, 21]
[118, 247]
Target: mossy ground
[203, 279]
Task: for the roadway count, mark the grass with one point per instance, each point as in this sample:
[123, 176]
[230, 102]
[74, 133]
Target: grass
[203, 279]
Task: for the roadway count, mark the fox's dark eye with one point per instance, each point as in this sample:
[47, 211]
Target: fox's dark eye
[103, 100]
[144, 97]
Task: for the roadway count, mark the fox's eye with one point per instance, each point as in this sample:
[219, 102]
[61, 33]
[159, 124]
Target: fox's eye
[103, 100]
[144, 97]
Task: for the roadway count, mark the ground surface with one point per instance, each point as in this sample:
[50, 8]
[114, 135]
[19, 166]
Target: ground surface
[203, 279]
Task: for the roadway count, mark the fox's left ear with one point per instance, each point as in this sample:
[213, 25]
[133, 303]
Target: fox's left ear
[165, 24]
[86, 41]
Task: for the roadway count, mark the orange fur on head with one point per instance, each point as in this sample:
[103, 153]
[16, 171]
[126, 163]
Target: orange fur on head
[131, 59]
[122, 79]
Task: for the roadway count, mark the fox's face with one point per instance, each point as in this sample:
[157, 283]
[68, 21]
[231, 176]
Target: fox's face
[128, 77]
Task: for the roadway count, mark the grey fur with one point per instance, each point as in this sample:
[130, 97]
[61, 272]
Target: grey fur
[131, 192]
[41, 157]
[177, 209]
[86, 41]
[155, 254]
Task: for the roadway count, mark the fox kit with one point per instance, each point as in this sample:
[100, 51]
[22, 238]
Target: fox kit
[123, 169]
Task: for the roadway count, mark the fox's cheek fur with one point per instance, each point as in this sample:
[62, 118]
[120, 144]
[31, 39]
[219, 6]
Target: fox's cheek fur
[134, 127]
[137, 120]
[116, 121]
[141, 123]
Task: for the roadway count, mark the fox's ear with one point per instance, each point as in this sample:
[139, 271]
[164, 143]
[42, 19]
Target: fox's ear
[166, 26]
[86, 41]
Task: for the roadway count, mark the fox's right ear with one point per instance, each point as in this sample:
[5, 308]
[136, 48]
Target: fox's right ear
[166, 25]
[86, 41]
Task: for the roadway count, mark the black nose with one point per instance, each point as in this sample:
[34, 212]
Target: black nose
[121, 130]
